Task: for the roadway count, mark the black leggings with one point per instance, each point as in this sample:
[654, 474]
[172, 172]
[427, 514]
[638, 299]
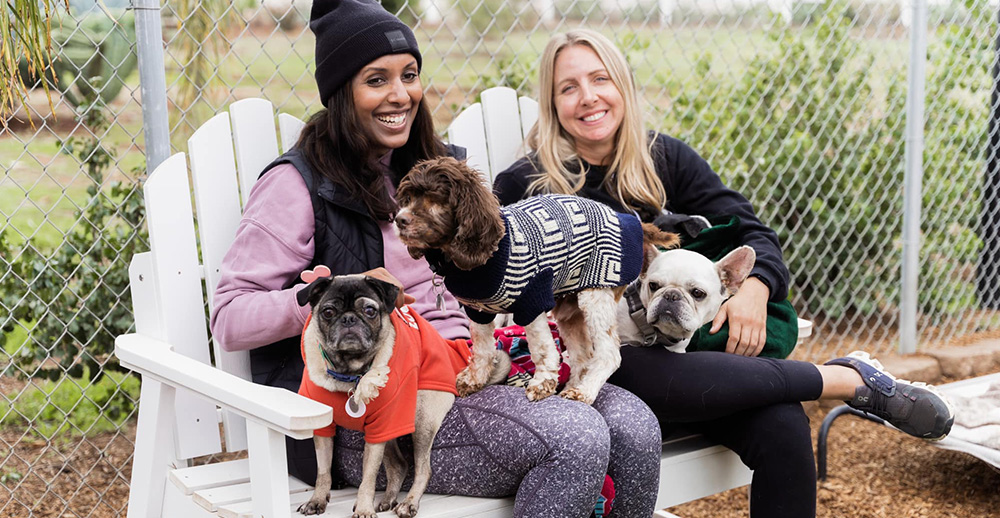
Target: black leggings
[750, 405]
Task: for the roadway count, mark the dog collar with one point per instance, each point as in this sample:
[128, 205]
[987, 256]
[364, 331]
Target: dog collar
[436, 261]
[636, 310]
[348, 378]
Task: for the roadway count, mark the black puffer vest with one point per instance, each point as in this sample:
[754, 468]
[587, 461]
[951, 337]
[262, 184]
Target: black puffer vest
[347, 239]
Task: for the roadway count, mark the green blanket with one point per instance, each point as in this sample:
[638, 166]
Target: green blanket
[782, 322]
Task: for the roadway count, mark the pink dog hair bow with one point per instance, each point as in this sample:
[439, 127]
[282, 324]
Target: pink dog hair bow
[318, 272]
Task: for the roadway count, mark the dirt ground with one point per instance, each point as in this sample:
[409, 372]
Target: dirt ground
[56, 479]
[874, 472]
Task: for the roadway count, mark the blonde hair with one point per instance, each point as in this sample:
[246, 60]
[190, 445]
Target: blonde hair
[631, 176]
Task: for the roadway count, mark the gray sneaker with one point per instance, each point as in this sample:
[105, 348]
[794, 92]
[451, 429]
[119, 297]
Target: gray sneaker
[912, 407]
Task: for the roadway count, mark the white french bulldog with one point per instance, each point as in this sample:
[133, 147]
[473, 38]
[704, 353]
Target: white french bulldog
[678, 293]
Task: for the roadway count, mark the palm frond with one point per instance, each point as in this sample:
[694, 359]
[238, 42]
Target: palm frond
[203, 41]
[25, 51]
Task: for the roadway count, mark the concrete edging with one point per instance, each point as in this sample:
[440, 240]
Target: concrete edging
[946, 363]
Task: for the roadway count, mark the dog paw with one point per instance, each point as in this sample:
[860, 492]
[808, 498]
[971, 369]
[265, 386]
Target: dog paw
[540, 391]
[313, 506]
[466, 382]
[576, 394]
[364, 514]
[386, 505]
[407, 509]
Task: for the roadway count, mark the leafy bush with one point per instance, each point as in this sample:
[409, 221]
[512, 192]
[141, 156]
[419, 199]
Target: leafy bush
[514, 72]
[825, 150]
[79, 297]
[957, 113]
[8, 290]
[72, 406]
[494, 17]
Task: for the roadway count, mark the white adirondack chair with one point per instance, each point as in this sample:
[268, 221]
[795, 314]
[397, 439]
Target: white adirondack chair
[184, 397]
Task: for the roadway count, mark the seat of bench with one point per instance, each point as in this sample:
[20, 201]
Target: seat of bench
[223, 488]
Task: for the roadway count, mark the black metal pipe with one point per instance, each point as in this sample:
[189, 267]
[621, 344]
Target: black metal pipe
[824, 430]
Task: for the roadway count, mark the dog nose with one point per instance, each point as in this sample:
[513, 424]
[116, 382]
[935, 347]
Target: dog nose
[402, 220]
[349, 319]
[673, 295]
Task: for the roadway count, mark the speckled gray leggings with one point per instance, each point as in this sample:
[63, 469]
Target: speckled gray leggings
[552, 454]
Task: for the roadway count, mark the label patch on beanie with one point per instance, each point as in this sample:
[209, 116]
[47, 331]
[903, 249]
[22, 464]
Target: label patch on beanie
[396, 40]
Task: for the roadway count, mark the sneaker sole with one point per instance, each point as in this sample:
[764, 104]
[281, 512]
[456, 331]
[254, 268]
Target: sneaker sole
[872, 362]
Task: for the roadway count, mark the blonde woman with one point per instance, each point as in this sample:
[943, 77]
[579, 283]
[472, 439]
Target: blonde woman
[590, 140]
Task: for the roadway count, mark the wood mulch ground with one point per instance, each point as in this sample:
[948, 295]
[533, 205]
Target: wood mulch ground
[873, 472]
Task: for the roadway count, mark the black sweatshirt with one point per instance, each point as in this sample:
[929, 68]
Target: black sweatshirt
[692, 188]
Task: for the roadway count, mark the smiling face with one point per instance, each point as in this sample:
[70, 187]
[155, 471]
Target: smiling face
[387, 93]
[588, 104]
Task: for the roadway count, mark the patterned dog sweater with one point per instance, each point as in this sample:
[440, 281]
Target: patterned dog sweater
[554, 245]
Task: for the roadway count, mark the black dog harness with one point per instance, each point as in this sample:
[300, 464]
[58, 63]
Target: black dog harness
[636, 310]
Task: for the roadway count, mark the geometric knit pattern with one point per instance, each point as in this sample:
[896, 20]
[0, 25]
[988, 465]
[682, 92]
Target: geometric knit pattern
[555, 244]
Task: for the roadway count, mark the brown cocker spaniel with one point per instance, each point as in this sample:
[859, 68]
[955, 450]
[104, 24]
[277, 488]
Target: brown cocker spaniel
[565, 254]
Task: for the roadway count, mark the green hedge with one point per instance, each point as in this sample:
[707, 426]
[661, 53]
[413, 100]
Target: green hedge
[72, 301]
[821, 144]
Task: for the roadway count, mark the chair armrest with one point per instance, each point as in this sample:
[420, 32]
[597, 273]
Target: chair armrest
[285, 411]
[805, 328]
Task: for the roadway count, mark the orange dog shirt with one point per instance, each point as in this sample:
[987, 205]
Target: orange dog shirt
[421, 360]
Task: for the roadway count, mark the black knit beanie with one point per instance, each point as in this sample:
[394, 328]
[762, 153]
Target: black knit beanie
[349, 35]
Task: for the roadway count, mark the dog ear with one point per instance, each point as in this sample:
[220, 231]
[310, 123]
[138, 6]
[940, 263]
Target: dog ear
[312, 293]
[652, 240]
[477, 217]
[387, 291]
[734, 268]
[415, 252]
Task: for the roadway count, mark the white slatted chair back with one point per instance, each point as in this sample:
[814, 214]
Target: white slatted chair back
[176, 294]
[226, 155]
[255, 139]
[492, 131]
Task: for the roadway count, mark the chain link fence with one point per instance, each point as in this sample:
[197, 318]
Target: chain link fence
[799, 104]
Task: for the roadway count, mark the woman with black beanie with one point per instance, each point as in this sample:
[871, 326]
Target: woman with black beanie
[329, 201]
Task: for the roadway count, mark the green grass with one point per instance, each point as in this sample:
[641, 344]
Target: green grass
[72, 406]
[16, 339]
[44, 187]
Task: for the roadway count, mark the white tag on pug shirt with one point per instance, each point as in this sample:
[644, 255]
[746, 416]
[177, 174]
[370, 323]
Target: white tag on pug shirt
[354, 408]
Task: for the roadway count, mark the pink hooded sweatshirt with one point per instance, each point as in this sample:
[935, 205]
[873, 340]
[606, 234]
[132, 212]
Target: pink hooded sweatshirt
[274, 244]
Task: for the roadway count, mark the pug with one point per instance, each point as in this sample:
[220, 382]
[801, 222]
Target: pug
[679, 292]
[359, 351]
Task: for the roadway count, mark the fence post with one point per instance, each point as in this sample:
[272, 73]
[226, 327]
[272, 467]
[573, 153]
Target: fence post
[913, 178]
[988, 273]
[152, 81]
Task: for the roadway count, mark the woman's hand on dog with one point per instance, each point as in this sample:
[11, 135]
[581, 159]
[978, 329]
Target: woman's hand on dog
[746, 312]
[383, 275]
